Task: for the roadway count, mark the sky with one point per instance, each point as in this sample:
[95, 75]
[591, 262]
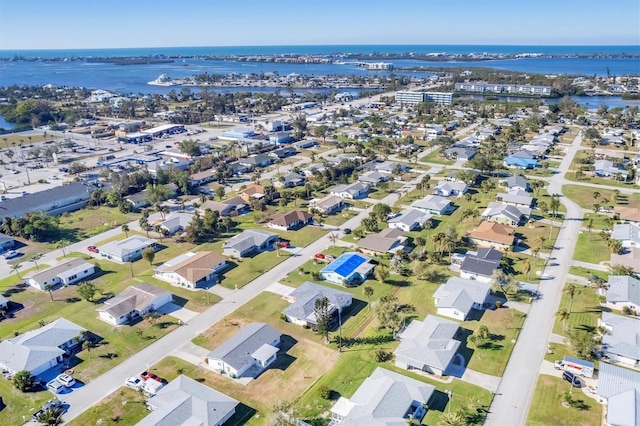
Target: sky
[86, 24]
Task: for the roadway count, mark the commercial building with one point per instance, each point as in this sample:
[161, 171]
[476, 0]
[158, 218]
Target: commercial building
[412, 98]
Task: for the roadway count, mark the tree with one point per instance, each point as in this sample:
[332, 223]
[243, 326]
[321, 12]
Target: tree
[453, 418]
[15, 267]
[526, 267]
[51, 417]
[589, 228]
[581, 342]
[333, 237]
[388, 311]
[571, 290]
[382, 211]
[23, 380]
[480, 336]
[323, 317]
[87, 291]
[62, 244]
[381, 273]
[368, 292]
[220, 191]
[49, 288]
[125, 229]
[564, 316]
[190, 147]
[34, 258]
[149, 254]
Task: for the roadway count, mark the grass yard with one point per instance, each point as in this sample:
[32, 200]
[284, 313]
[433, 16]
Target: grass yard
[88, 222]
[19, 406]
[380, 192]
[587, 273]
[585, 310]
[340, 218]
[504, 326]
[546, 407]
[124, 406]
[583, 196]
[530, 235]
[436, 158]
[591, 248]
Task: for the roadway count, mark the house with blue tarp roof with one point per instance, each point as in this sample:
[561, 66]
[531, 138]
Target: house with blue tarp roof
[520, 163]
[349, 268]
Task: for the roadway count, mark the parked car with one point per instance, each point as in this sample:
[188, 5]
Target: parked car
[11, 254]
[50, 405]
[347, 230]
[64, 169]
[134, 383]
[571, 378]
[146, 376]
[319, 256]
[55, 386]
[558, 365]
[93, 249]
[66, 380]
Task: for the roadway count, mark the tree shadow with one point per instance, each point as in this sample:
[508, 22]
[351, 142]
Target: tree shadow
[72, 300]
[242, 415]
[352, 311]
[164, 324]
[18, 288]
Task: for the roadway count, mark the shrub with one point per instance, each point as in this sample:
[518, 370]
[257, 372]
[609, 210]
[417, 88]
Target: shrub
[325, 392]
[382, 355]
[283, 317]
[498, 304]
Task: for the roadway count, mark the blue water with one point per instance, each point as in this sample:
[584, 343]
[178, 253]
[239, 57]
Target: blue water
[324, 50]
[5, 124]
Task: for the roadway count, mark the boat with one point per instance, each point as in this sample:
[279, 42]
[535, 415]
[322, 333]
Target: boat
[163, 80]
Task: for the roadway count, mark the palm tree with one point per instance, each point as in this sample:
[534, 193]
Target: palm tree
[368, 291]
[62, 244]
[526, 266]
[589, 227]
[125, 229]
[455, 418]
[564, 316]
[15, 268]
[49, 288]
[333, 237]
[34, 258]
[571, 290]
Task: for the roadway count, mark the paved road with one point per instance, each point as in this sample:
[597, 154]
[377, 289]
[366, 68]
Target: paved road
[104, 385]
[513, 397]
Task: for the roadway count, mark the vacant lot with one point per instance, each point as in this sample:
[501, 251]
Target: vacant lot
[124, 406]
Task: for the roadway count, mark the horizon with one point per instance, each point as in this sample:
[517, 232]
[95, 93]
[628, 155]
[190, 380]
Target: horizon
[76, 24]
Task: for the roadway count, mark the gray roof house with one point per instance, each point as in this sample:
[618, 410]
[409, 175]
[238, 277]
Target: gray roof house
[303, 299]
[433, 204]
[606, 168]
[385, 398]
[516, 197]
[460, 153]
[619, 388]
[328, 205]
[621, 343]
[249, 241]
[388, 240]
[290, 180]
[53, 201]
[6, 242]
[506, 214]
[257, 160]
[481, 264]
[353, 191]
[428, 345]
[409, 220]
[516, 182]
[622, 291]
[186, 402]
[458, 296]
[127, 250]
[254, 347]
[627, 233]
[450, 189]
[41, 349]
[373, 178]
[132, 303]
[68, 272]
[176, 222]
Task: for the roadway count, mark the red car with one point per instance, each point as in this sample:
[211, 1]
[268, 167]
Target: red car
[319, 256]
[93, 249]
[146, 375]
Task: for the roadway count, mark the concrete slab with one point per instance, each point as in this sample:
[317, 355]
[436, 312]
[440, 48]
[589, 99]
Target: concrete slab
[220, 291]
[191, 353]
[281, 289]
[177, 312]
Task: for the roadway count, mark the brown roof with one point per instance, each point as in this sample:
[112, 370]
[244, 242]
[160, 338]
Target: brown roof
[495, 232]
[203, 175]
[253, 189]
[197, 266]
[628, 213]
[630, 259]
[286, 219]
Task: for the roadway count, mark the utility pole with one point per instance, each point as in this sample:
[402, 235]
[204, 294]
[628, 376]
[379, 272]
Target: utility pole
[339, 331]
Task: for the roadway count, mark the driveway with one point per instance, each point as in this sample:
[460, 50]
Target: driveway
[178, 312]
[281, 289]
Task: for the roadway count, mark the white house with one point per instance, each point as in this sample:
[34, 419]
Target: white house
[623, 291]
[134, 302]
[302, 308]
[66, 273]
[127, 250]
[458, 296]
[450, 189]
[253, 347]
[433, 204]
[354, 191]
[621, 343]
[619, 389]
[409, 220]
[192, 270]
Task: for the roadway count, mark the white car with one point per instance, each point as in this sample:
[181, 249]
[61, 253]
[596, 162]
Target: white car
[11, 254]
[55, 386]
[134, 383]
[66, 380]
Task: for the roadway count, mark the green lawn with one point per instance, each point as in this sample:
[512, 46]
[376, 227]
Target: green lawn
[19, 406]
[591, 248]
[436, 158]
[584, 196]
[585, 310]
[124, 406]
[546, 407]
[382, 191]
[339, 218]
[81, 224]
[600, 181]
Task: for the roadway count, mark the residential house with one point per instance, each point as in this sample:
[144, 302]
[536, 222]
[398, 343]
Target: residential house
[254, 347]
[291, 220]
[517, 198]
[453, 177]
[328, 205]
[176, 222]
[202, 178]
[312, 169]
[620, 343]
[303, 300]
[239, 168]
[223, 209]
[490, 234]
[53, 201]
[516, 182]
[184, 401]
[132, 303]
[606, 168]
[6, 242]
[387, 241]
[629, 258]
[434, 205]
[348, 268]
[252, 191]
[65, 273]
[192, 270]
[619, 389]
[629, 214]
[480, 265]
[373, 178]
[458, 296]
[304, 144]
[4, 303]
[138, 200]
[353, 191]
[522, 163]
[623, 291]
[460, 153]
[39, 350]
[248, 242]
[390, 167]
[627, 233]
[256, 161]
[450, 189]
[283, 152]
[385, 398]
[409, 220]
[127, 250]
[506, 214]
[428, 345]
[290, 180]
